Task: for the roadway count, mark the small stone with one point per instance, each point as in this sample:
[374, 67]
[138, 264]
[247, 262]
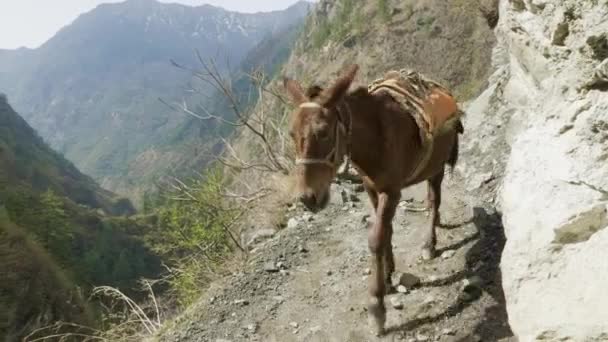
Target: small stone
[367, 271]
[281, 265]
[401, 289]
[252, 327]
[407, 279]
[346, 195]
[448, 254]
[302, 249]
[315, 329]
[294, 325]
[472, 283]
[212, 300]
[422, 337]
[429, 300]
[261, 235]
[308, 217]
[293, 223]
[448, 331]
[472, 288]
[397, 303]
[242, 302]
[345, 208]
[271, 267]
[478, 180]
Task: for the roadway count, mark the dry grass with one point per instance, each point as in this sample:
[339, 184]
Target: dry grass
[127, 320]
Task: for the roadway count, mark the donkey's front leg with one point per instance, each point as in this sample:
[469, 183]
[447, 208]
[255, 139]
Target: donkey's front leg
[434, 193]
[379, 240]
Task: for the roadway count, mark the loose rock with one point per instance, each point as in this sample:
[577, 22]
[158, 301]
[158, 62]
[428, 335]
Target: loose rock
[472, 288]
[261, 235]
[396, 302]
[406, 279]
[448, 331]
[475, 282]
[293, 223]
[242, 302]
[401, 289]
[271, 267]
[308, 217]
[448, 254]
[422, 337]
[294, 325]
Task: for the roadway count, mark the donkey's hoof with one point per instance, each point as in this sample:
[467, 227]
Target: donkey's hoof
[428, 253]
[377, 316]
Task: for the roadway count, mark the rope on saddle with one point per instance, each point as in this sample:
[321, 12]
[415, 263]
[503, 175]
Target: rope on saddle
[411, 89]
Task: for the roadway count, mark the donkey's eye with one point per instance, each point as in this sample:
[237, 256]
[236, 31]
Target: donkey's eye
[323, 135]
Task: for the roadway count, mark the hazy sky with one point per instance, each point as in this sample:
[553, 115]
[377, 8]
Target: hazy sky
[31, 22]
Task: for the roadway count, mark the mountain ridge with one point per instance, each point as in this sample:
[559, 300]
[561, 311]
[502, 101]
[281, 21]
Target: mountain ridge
[92, 90]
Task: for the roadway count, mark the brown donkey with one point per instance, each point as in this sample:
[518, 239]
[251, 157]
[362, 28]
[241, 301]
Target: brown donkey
[383, 141]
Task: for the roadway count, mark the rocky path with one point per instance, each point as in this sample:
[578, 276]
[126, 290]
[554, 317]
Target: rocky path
[309, 282]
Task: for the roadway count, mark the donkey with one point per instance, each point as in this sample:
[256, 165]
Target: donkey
[383, 142]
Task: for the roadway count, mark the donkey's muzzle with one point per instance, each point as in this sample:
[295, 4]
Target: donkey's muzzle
[314, 202]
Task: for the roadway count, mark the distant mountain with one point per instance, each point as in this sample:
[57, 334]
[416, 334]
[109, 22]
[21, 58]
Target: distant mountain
[92, 90]
[57, 235]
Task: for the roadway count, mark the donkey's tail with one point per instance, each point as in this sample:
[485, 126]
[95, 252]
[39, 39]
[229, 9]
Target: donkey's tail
[455, 148]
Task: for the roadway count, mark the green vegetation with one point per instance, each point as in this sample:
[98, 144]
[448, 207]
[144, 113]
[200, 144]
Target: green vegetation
[321, 34]
[384, 10]
[425, 22]
[34, 289]
[192, 234]
[349, 20]
[56, 238]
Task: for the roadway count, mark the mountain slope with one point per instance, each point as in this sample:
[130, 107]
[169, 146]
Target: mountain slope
[57, 238]
[92, 90]
[27, 162]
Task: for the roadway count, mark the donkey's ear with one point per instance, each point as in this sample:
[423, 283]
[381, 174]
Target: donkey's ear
[334, 94]
[294, 90]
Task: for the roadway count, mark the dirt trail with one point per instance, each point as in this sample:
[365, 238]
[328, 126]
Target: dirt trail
[321, 293]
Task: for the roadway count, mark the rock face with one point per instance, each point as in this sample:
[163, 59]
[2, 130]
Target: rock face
[550, 135]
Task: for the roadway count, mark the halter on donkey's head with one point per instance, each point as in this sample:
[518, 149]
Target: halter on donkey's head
[333, 159]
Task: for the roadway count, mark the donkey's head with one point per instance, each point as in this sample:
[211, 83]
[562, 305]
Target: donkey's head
[319, 132]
